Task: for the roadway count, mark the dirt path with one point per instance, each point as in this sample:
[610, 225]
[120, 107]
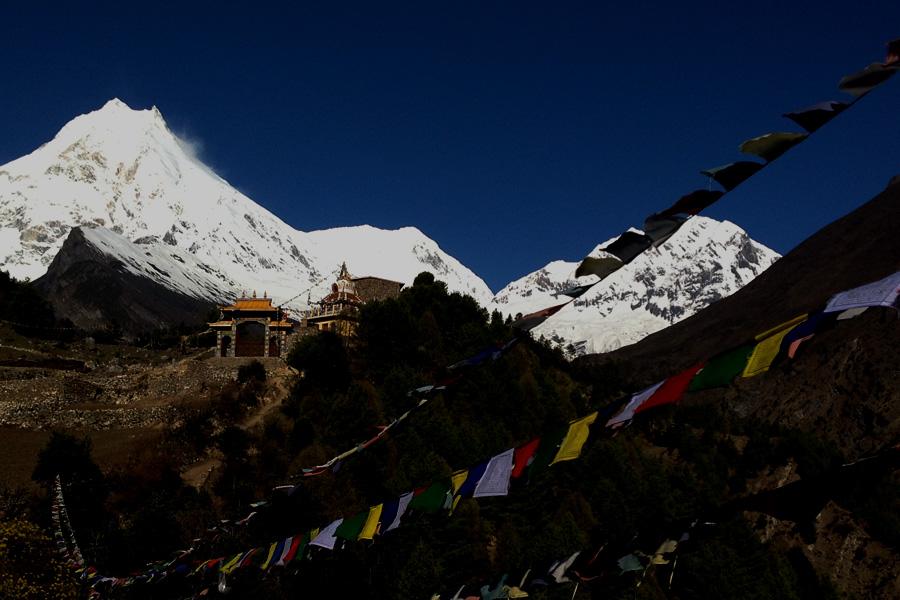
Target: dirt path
[278, 386]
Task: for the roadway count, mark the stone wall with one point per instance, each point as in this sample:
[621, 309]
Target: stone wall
[376, 288]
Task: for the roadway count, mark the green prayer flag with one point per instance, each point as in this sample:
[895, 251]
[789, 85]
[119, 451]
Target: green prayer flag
[629, 563]
[547, 450]
[301, 549]
[722, 369]
[433, 498]
[349, 529]
[772, 145]
[601, 267]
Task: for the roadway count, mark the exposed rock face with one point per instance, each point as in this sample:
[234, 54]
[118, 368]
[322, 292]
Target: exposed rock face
[857, 565]
[96, 291]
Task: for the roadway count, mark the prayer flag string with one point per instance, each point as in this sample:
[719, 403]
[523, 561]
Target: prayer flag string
[660, 226]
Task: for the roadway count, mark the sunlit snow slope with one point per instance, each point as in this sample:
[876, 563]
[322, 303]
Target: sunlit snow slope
[124, 171]
[706, 260]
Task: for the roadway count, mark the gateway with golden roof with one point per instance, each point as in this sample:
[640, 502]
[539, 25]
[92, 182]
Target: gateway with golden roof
[251, 327]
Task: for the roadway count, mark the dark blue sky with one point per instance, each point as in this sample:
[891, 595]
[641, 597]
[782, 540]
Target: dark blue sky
[511, 133]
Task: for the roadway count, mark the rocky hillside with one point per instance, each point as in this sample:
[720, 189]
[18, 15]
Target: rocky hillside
[98, 280]
[842, 388]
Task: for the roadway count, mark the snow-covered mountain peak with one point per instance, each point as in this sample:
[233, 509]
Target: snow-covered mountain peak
[114, 128]
[704, 261]
[144, 199]
[124, 170]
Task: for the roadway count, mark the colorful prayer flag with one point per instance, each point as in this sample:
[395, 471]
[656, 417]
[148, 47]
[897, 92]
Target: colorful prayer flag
[769, 343]
[850, 313]
[558, 572]
[326, 537]
[370, 527]
[628, 245]
[601, 266]
[671, 390]
[532, 320]
[231, 564]
[772, 145]
[292, 549]
[547, 450]
[432, 498]
[248, 558]
[495, 481]
[473, 476]
[804, 331]
[660, 228]
[892, 54]
[878, 293]
[457, 479]
[393, 511]
[693, 203]
[862, 82]
[350, 529]
[815, 116]
[576, 436]
[733, 174]
[576, 291]
[722, 369]
[627, 413]
[523, 457]
[273, 555]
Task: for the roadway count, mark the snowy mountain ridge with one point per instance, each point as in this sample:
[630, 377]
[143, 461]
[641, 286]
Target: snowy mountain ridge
[142, 199]
[125, 171]
[704, 261]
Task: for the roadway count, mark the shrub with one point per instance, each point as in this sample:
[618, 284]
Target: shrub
[252, 370]
[29, 568]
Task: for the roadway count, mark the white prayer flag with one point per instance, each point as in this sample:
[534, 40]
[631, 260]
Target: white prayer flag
[326, 537]
[878, 293]
[627, 413]
[404, 501]
[495, 481]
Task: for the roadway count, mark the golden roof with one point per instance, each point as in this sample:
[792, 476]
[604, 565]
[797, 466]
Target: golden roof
[276, 324]
[251, 304]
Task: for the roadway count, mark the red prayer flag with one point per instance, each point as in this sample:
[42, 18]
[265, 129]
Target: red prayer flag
[522, 456]
[247, 558]
[292, 551]
[672, 390]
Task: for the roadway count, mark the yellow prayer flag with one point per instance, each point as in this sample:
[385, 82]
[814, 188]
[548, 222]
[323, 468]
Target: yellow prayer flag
[457, 479]
[231, 564]
[201, 567]
[767, 349]
[667, 547]
[781, 327]
[371, 525]
[268, 561]
[575, 438]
